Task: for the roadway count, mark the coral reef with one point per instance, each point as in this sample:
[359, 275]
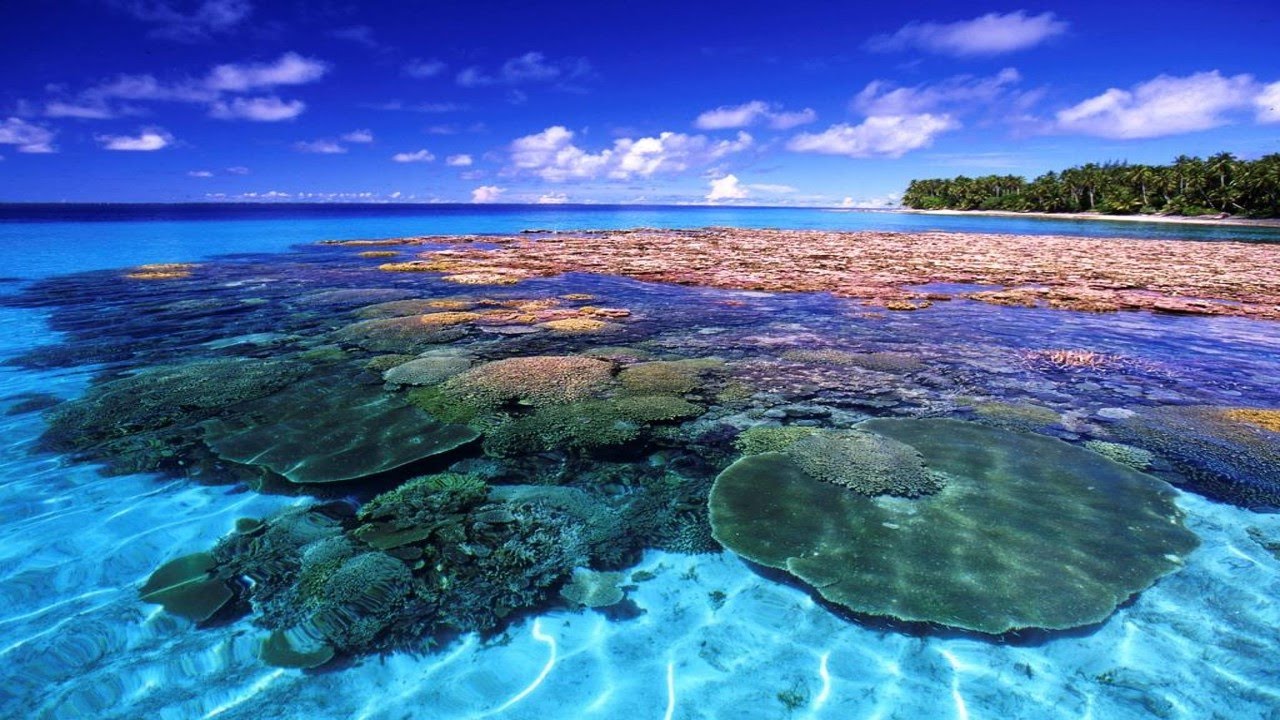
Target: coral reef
[1134, 457]
[427, 370]
[1267, 419]
[577, 325]
[866, 463]
[770, 438]
[538, 380]
[1215, 451]
[407, 335]
[667, 377]
[322, 431]
[1030, 532]
[586, 425]
[162, 271]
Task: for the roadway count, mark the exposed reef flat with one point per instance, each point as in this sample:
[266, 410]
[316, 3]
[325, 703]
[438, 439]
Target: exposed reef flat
[889, 269]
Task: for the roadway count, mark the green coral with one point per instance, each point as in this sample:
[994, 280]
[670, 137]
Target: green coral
[867, 463]
[1134, 457]
[538, 381]
[770, 438]
[667, 377]
[586, 425]
[1029, 532]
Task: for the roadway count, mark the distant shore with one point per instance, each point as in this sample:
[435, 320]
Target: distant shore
[1176, 219]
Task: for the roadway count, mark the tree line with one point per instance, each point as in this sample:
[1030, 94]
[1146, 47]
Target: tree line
[1219, 184]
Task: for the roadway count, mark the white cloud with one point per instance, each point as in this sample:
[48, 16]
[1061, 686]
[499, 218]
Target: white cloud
[458, 160]
[258, 109]
[421, 69]
[746, 114]
[553, 199]
[208, 16]
[290, 69]
[787, 120]
[486, 194]
[532, 67]
[1268, 103]
[359, 136]
[28, 137]
[147, 140]
[726, 188]
[238, 170]
[960, 92]
[991, 34]
[552, 155]
[772, 188]
[199, 174]
[1166, 105]
[878, 135]
[319, 147]
[415, 156]
[83, 111]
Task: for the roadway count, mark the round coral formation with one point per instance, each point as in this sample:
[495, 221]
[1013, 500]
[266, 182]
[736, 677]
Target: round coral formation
[577, 325]
[1030, 532]
[537, 380]
[866, 463]
[669, 377]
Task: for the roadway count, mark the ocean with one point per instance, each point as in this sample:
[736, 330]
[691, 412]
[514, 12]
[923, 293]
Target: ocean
[105, 477]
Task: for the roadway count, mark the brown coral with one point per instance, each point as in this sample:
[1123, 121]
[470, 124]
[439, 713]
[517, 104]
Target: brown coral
[538, 380]
[161, 271]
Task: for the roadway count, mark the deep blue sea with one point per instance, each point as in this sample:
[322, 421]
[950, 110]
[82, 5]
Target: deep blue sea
[143, 419]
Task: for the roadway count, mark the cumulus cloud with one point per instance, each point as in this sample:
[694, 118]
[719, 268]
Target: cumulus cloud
[198, 23]
[258, 109]
[415, 156]
[960, 92]
[1166, 105]
[726, 188]
[28, 137]
[552, 155]
[532, 67]
[319, 147]
[359, 136]
[458, 160]
[1268, 103]
[877, 136]
[147, 140]
[486, 194]
[740, 116]
[290, 69]
[213, 89]
[991, 34]
[422, 69]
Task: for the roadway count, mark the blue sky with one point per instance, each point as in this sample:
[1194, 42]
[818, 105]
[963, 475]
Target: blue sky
[797, 103]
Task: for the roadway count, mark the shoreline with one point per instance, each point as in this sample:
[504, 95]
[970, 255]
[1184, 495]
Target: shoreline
[1161, 219]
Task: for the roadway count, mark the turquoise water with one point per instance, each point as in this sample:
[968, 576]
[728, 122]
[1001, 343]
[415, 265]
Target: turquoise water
[699, 634]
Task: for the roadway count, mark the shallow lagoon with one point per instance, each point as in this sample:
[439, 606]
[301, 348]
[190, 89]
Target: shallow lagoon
[708, 635]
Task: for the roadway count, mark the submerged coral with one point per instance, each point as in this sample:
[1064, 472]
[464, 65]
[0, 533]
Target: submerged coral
[667, 377]
[1216, 451]
[866, 463]
[538, 380]
[1029, 531]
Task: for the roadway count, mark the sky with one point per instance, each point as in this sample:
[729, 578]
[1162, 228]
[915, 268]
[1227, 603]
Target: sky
[759, 103]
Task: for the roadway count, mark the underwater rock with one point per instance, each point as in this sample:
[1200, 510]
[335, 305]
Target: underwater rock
[187, 587]
[1220, 453]
[1029, 532]
[328, 431]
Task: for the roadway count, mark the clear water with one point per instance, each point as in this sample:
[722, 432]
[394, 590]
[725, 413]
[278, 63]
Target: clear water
[714, 638]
